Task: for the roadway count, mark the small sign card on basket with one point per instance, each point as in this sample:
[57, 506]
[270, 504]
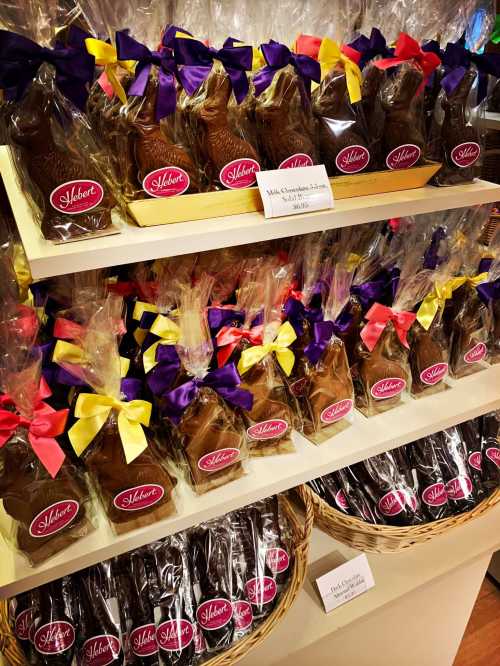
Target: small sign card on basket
[295, 191]
[345, 582]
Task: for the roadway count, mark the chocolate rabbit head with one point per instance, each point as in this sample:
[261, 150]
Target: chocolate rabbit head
[329, 96]
[31, 128]
[404, 89]
[214, 108]
[277, 98]
[458, 98]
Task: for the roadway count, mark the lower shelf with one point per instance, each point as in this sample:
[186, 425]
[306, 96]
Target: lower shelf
[469, 397]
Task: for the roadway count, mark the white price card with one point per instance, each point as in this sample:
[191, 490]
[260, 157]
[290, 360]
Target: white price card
[345, 582]
[295, 191]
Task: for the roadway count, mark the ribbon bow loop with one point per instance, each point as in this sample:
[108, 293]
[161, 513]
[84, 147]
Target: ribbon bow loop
[278, 56]
[280, 346]
[229, 337]
[329, 56]
[408, 49]
[106, 56]
[378, 316]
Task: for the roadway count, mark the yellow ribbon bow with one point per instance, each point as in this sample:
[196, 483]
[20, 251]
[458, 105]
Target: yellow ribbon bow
[22, 270]
[93, 410]
[285, 357]
[105, 56]
[139, 309]
[66, 352]
[436, 298]
[168, 331]
[330, 55]
[258, 60]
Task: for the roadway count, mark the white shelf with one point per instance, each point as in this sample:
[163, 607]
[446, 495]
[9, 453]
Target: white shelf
[139, 244]
[395, 574]
[468, 398]
[490, 121]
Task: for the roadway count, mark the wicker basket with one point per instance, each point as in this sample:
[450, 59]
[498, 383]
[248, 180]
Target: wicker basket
[383, 538]
[301, 532]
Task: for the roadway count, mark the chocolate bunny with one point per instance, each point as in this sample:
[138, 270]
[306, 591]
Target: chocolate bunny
[373, 112]
[51, 159]
[282, 131]
[220, 145]
[338, 121]
[153, 149]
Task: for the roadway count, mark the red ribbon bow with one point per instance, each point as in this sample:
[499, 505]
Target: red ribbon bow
[229, 336]
[65, 329]
[406, 49]
[378, 317]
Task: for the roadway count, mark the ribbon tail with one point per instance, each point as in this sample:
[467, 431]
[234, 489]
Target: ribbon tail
[48, 452]
[224, 353]
[115, 83]
[166, 98]
[85, 430]
[133, 438]
[286, 358]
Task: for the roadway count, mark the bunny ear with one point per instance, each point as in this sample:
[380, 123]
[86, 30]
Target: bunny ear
[290, 84]
[223, 87]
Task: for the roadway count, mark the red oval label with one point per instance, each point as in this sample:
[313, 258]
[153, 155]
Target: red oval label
[175, 635]
[217, 460]
[76, 196]
[54, 518]
[214, 614]
[169, 181]
[143, 640]
[336, 411]
[352, 159]
[277, 560]
[239, 174]
[268, 429]
[435, 495]
[23, 623]
[392, 503]
[139, 497]
[403, 157]
[493, 453]
[477, 353]
[243, 615]
[465, 154]
[434, 373]
[387, 388]
[297, 160]
[200, 644]
[341, 500]
[459, 488]
[475, 460]
[261, 591]
[100, 650]
[54, 637]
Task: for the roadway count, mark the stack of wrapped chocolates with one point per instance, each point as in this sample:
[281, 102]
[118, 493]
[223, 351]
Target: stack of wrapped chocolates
[178, 601]
[126, 384]
[96, 123]
[433, 478]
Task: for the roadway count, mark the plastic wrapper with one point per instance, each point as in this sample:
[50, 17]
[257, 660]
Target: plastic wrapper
[264, 368]
[23, 611]
[330, 489]
[431, 487]
[471, 433]
[452, 454]
[209, 438]
[489, 293]
[490, 444]
[373, 112]
[123, 460]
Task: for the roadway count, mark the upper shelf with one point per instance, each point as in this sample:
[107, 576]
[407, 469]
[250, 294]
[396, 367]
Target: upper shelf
[469, 397]
[140, 244]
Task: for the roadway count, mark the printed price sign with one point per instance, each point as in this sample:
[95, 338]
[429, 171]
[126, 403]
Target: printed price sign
[295, 191]
[345, 582]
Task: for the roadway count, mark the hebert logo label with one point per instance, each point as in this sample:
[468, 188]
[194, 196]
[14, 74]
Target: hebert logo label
[101, 650]
[261, 591]
[465, 154]
[54, 637]
[277, 560]
[434, 373]
[76, 196]
[23, 623]
[166, 182]
[477, 353]
[435, 495]
[239, 174]
[243, 615]
[214, 614]
[341, 500]
[217, 460]
[54, 518]
[297, 160]
[268, 429]
[352, 159]
[493, 453]
[175, 635]
[459, 488]
[336, 411]
[139, 497]
[392, 503]
[143, 640]
[403, 157]
[387, 388]
[475, 460]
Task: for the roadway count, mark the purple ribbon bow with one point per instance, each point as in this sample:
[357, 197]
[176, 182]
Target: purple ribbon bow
[278, 56]
[131, 388]
[219, 317]
[196, 62]
[162, 376]
[484, 265]
[371, 47]
[489, 291]
[323, 332]
[21, 58]
[431, 255]
[296, 313]
[128, 48]
[457, 60]
[224, 380]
